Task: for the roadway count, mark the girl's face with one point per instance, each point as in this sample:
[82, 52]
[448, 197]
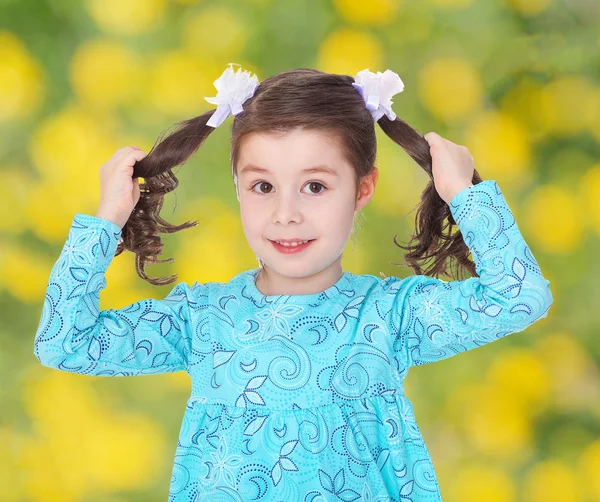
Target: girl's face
[285, 194]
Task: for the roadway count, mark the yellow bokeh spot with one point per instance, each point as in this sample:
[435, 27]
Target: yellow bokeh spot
[21, 79]
[67, 149]
[552, 217]
[479, 483]
[178, 82]
[126, 17]
[561, 107]
[523, 101]
[493, 420]
[372, 13]
[574, 376]
[589, 466]
[589, 189]
[13, 194]
[104, 73]
[450, 88]
[23, 273]
[216, 33]
[81, 447]
[125, 452]
[347, 51]
[551, 481]
[215, 249]
[529, 7]
[501, 147]
[11, 480]
[520, 372]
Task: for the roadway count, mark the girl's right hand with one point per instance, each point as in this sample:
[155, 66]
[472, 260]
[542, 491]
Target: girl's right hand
[119, 192]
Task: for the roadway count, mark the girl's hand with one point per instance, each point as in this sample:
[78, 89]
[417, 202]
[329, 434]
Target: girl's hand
[119, 192]
[452, 166]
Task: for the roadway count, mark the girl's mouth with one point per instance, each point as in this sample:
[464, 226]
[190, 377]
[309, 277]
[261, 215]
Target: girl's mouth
[295, 248]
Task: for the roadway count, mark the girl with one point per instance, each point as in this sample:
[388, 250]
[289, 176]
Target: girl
[297, 366]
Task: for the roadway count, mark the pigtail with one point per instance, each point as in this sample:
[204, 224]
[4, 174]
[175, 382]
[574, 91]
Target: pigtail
[434, 223]
[140, 234]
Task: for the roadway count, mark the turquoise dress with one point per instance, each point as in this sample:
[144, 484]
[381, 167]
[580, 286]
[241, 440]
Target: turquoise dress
[296, 397]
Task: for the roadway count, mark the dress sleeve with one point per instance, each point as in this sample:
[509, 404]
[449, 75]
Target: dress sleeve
[147, 337]
[435, 319]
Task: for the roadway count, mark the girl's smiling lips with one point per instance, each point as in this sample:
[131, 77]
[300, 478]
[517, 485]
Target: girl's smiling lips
[295, 248]
[290, 241]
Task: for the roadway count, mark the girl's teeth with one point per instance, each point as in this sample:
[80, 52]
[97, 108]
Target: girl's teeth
[292, 244]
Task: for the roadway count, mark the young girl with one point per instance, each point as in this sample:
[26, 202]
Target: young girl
[297, 366]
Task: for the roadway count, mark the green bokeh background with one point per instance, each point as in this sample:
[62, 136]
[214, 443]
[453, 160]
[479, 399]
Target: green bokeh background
[516, 81]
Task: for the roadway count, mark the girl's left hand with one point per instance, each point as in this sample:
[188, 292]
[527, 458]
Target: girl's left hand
[452, 166]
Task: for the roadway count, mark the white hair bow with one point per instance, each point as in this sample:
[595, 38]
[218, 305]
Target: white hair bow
[234, 88]
[377, 90]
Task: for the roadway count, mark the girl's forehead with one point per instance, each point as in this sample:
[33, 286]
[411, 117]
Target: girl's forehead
[296, 151]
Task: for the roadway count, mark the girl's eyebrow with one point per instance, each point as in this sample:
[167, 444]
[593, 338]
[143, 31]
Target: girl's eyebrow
[249, 168]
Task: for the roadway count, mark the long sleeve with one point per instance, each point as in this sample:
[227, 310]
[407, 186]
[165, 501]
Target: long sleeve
[436, 319]
[147, 337]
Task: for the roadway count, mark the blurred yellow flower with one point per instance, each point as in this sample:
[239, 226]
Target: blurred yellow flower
[104, 73]
[574, 377]
[68, 150]
[177, 83]
[522, 102]
[551, 481]
[450, 88]
[216, 33]
[569, 104]
[215, 249]
[551, 216]
[81, 447]
[126, 17]
[520, 372]
[589, 189]
[51, 474]
[501, 147]
[13, 194]
[124, 452]
[492, 419]
[348, 51]
[372, 13]
[22, 82]
[11, 477]
[589, 467]
[529, 7]
[24, 273]
[482, 483]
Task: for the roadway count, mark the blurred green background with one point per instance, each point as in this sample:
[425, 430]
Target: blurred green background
[516, 81]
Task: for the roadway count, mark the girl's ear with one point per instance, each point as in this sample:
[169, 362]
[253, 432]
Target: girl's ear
[367, 189]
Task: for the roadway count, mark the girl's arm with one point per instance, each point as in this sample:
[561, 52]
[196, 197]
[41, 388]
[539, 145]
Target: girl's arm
[149, 336]
[435, 319]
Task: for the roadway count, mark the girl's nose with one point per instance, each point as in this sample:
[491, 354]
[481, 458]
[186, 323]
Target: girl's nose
[287, 207]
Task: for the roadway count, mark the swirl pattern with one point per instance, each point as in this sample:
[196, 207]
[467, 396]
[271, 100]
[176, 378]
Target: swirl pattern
[296, 397]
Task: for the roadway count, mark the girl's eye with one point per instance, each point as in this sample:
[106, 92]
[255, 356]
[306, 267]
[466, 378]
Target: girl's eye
[310, 184]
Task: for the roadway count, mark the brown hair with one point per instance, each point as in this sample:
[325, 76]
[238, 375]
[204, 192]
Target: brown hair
[307, 99]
